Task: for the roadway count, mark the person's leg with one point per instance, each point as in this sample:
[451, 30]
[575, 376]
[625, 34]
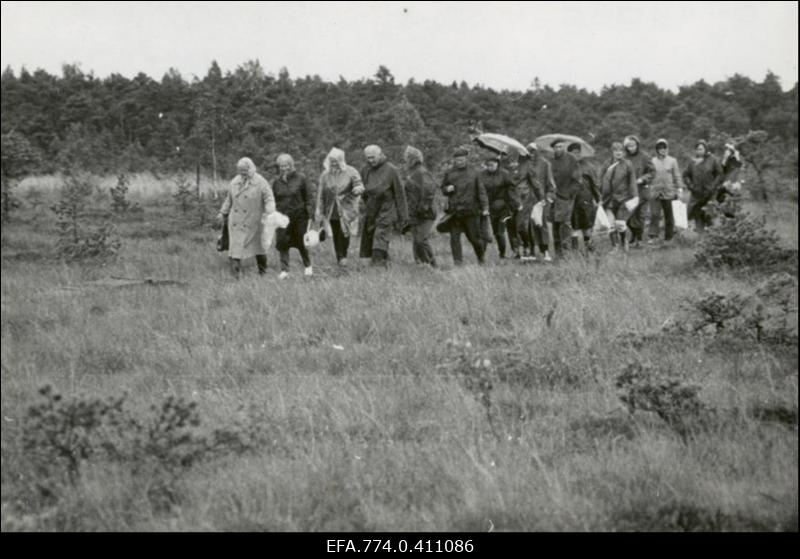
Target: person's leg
[456, 228]
[669, 219]
[341, 242]
[282, 243]
[422, 234]
[380, 244]
[236, 267]
[513, 237]
[367, 234]
[498, 229]
[472, 228]
[261, 263]
[655, 218]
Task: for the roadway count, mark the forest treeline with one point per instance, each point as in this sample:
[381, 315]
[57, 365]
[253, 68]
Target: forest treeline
[116, 124]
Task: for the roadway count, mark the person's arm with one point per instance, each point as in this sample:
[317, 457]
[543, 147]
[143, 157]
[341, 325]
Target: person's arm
[483, 199]
[632, 184]
[318, 205]
[550, 182]
[227, 203]
[308, 197]
[594, 186]
[268, 198]
[512, 200]
[676, 176]
[447, 188]
[400, 201]
[688, 177]
[648, 172]
[717, 173]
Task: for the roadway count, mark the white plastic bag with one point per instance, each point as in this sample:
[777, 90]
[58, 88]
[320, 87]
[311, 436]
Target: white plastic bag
[631, 204]
[537, 213]
[601, 223]
[679, 214]
[271, 223]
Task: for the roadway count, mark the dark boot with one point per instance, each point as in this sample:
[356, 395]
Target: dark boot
[379, 257]
[574, 243]
[587, 242]
[261, 262]
[236, 267]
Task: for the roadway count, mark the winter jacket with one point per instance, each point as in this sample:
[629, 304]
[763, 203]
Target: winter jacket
[618, 183]
[666, 178]
[420, 193]
[247, 202]
[501, 191]
[469, 197]
[703, 176]
[335, 198]
[385, 196]
[293, 196]
[642, 167]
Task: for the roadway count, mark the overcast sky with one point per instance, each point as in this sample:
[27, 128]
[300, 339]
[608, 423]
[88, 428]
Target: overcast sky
[503, 45]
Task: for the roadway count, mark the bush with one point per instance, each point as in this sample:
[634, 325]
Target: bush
[741, 241]
[677, 403]
[60, 437]
[75, 240]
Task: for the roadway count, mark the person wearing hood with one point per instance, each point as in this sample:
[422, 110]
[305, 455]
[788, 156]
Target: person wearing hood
[618, 188]
[586, 201]
[420, 193]
[568, 178]
[466, 203]
[338, 198]
[703, 177]
[732, 166]
[667, 186]
[293, 198]
[503, 204]
[534, 185]
[643, 168]
[247, 202]
[385, 201]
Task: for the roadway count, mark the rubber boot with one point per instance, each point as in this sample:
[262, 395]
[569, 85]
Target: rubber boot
[236, 267]
[261, 262]
[379, 257]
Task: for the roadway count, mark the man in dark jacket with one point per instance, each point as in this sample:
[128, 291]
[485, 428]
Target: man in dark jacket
[644, 171]
[536, 186]
[503, 204]
[703, 177]
[467, 202]
[586, 201]
[420, 192]
[385, 201]
[567, 176]
[295, 199]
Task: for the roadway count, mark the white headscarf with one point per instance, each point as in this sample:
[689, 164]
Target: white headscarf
[336, 154]
[247, 163]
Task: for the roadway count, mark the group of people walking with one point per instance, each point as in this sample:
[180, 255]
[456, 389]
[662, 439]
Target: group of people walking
[519, 203]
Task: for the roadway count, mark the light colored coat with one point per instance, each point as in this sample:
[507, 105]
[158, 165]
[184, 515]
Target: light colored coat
[248, 202]
[335, 194]
[666, 180]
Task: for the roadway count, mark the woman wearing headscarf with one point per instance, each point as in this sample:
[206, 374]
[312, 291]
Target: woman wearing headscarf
[293, 198]
[420, 193]
[618, 188]
[666, 187]
[338, 197]
[249, 199]
[732, 166]
[643, 168]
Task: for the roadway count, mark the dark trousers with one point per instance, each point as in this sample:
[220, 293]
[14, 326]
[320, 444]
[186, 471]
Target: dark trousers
[638, 219]
[341, 242]
[471, 227]
[561, 234]
[421, 234]
[500, 228]
[292, 237]
[261, 262]
[696, 212]
[656, 209]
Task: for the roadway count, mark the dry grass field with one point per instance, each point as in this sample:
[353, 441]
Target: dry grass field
[474, 398]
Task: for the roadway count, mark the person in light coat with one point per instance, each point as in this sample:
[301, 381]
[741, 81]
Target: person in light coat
[667, 185]
[338, 198]
[248, 202]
